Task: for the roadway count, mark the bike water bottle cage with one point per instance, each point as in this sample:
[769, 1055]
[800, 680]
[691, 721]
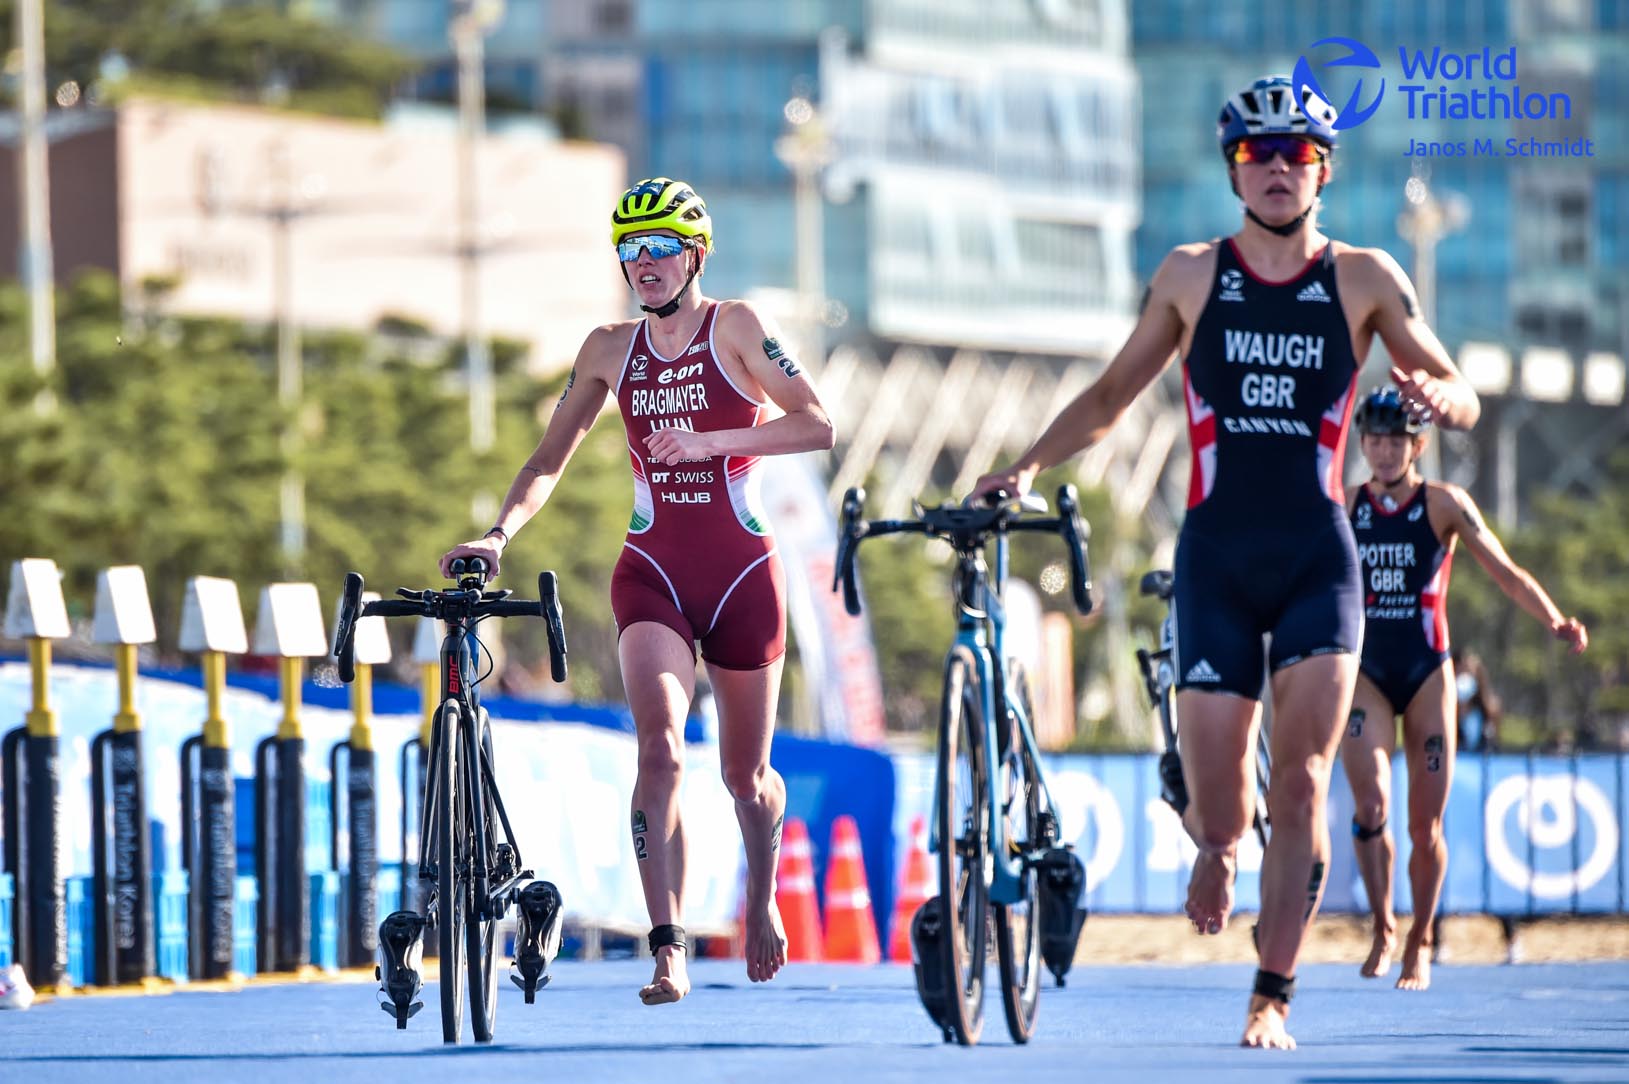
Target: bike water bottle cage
[662, 936]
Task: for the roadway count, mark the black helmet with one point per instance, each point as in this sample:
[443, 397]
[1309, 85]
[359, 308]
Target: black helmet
[1383, 412]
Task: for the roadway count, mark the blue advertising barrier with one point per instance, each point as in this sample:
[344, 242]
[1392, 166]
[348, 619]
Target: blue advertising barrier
[1527, 834]
[824, 781]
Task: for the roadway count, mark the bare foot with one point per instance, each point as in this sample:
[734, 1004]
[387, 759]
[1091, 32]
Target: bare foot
[764, 943]
[1379, 961]
[671, 981]
[1264, 1025]
[1416, 973]
[1210, 891]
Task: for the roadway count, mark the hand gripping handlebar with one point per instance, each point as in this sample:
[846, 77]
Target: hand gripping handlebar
[468, 600]
[964, 526]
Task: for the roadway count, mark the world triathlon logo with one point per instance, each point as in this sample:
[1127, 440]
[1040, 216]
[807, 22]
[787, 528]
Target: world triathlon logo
[1441, 84]
[1358, 55]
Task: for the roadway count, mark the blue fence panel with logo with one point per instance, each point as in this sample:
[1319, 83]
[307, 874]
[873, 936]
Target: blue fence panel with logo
[1526, 835]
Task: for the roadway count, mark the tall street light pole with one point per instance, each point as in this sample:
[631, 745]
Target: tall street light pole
[806, 149]
[33, 182]
[472, 19]
[1423, 223]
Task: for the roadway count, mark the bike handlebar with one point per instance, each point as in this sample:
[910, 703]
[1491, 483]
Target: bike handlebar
[466, 601]
[970, 526]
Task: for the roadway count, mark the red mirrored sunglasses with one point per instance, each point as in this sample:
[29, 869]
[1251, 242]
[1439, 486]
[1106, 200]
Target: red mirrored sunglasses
[1264, 148]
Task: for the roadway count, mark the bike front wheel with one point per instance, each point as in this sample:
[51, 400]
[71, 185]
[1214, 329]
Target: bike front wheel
[962, 831]
[451, 855]
[1017, 924]
[480, 927]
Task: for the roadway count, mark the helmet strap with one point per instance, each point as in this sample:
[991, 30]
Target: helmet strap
[1285, 229]
[672, 306]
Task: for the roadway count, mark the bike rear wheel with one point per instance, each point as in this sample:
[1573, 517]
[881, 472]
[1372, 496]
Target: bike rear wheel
[1017, 925]
[480, 933]
[962, 833]
[451, 851]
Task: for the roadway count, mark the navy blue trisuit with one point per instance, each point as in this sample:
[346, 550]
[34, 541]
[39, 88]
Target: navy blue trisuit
[1266, 548]
[1405, 594]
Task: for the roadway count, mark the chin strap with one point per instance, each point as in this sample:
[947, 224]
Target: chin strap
[1287, 228]
[660, 311]
[672, 306]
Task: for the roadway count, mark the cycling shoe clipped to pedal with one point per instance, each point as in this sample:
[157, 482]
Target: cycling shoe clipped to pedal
[537, 936]
[1061, 877]
[928, 959]
[1173, 787]
[401, 964]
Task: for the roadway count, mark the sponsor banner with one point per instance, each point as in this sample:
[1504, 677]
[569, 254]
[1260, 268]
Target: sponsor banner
[1525, 835]
[834, 648]
[567, 789]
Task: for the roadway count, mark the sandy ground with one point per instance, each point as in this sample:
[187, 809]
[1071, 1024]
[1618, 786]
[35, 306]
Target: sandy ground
[1466, 939]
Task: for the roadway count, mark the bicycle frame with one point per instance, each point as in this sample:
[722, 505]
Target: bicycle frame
[981, 628]
[459, 688]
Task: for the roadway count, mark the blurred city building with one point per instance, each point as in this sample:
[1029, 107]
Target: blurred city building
[1530, 270]
[247, 210]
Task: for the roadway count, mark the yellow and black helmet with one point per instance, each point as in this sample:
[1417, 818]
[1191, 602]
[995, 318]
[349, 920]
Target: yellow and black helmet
[661, 203]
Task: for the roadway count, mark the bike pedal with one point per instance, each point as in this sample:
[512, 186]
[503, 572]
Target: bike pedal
[927, 961]
[537, 936]
[401, 1013]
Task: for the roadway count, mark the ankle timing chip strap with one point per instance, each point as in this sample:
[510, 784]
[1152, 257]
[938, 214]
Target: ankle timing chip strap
[662, 936]
[1362, 834]
[1276, 987]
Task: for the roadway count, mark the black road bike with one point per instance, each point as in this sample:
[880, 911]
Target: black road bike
[467, 850]
[1159, 679]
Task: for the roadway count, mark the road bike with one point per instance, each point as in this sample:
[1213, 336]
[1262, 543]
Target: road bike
[1159, 679]
[467, 851]
[1002, 873]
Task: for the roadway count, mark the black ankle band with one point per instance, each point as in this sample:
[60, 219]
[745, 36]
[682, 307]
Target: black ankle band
[1362, 834]
[662, 936]
[1270, 984]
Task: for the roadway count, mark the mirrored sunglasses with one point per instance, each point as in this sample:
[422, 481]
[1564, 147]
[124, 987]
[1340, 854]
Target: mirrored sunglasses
[659, 245]
[1293, 149]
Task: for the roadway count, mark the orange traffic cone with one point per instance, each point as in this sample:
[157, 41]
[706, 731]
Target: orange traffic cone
[851, 928]
[915, 886]
[795, 894]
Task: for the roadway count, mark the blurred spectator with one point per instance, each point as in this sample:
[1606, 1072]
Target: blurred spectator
[1478, 704]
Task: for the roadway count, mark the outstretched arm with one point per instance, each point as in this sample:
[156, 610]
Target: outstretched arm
[1092, 413]
[805, 426]
[1420, 366]
[1514, 580]
[574, 415]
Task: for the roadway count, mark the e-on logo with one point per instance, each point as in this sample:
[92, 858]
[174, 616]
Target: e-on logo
[1358, 55]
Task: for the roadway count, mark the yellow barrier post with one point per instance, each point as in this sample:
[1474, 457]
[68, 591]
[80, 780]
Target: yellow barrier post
[122, 894]
[35, 612]
[212, 625]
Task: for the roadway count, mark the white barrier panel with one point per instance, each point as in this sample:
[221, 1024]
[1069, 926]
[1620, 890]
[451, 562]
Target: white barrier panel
[568, 790]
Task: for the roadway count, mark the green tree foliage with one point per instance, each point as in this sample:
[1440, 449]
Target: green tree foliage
[1577, 547]
[164, 450]
[250, 53]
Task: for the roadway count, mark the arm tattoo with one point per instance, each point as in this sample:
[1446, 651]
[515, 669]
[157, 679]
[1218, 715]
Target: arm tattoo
[1472, 520]
[1142, 306]
[1410, 306]
[774, 352]
[533, 471]
[570, 380]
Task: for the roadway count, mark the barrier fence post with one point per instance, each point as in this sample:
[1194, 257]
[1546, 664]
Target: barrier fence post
[354, 807]
[121, 857]
[288, 626]
[211, 624]
[35, 612]
[427, 653]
